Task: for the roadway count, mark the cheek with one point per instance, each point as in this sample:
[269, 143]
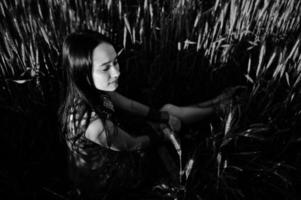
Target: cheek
[100, 80]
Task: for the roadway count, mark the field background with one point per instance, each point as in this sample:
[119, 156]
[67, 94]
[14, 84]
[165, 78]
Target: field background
[175, 51]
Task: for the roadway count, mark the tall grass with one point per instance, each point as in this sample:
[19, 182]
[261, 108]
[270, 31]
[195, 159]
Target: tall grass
[177, 49]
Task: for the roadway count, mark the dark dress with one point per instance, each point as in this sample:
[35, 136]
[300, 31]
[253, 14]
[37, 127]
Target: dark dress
[99, 172]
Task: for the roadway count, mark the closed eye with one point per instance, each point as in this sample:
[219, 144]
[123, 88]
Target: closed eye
[106, 66]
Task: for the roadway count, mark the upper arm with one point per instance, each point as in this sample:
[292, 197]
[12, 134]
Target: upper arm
[129, 105]
[120, 101]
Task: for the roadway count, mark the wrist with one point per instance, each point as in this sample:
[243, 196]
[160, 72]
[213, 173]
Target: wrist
[157, 116]
[164, 116]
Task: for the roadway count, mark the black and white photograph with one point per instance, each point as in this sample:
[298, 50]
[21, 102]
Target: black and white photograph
[150, 99]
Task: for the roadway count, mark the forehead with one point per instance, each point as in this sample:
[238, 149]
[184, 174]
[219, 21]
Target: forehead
[104, 52]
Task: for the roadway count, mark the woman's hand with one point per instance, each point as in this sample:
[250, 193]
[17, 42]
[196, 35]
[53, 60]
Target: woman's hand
[228, 97]
[172, 109]
[174, 123]
[229, 94]
[174, 112]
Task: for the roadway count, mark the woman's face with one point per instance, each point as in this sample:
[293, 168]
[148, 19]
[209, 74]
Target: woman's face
[105, 70]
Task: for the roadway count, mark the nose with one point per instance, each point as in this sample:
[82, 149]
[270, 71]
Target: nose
[115, 73]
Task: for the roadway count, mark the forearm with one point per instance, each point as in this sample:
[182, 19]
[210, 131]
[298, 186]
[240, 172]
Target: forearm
[125, 142]
[115, 138]
[226, 95]
[139, 143]
[204, 104]
[190, 115]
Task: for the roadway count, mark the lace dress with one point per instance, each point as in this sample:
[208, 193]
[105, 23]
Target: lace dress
[99, 172]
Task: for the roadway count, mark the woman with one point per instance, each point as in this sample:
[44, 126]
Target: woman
[105, 160]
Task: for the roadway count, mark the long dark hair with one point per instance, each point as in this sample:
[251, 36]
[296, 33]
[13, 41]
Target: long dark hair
[77, 62]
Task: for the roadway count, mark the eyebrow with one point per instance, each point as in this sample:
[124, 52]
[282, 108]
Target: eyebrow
[108, 62]
[105, 63]
[118, 54]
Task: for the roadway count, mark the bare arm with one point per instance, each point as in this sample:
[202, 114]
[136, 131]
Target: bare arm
[129, 105]
[121, 141]
[226, 95]
[189, 114]
[196, 112]
[142, 110]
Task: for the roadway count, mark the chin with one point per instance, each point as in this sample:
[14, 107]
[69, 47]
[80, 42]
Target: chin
[108, 88]
[113, 88]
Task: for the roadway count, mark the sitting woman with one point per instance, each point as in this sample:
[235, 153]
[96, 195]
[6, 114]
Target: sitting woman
[106, 162]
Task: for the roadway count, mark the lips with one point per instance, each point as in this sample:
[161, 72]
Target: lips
[114, 82]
